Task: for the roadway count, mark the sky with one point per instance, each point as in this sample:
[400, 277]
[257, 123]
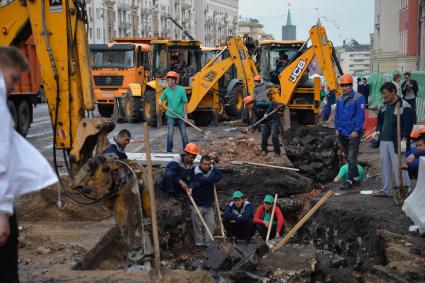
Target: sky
[343, 19]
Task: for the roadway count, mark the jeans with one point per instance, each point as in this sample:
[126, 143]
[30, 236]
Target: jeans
[271, 127]
[9, 254]
[171, 123]
[350, 146]
[199, 233]
[242, 231]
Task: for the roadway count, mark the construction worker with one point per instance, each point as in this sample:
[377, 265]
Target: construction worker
[201, 186]
[386, 131]
[349, 120]
[412, 156]
[343, 172]
[271, 125]
[176, 97]
[262, 219]
[119, 143]
[260, 89]
[237, 218]
[22, 168]
[179, 172]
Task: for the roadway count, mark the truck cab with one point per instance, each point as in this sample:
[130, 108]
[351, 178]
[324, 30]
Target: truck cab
[119, 68]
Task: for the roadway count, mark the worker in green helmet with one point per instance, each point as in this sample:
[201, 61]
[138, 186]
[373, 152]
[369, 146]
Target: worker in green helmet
[262, 218]
[237, 218]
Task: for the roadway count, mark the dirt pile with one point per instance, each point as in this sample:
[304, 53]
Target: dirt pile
[314, 150]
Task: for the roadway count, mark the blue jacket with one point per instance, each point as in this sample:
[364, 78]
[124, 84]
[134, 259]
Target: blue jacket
[114, 147]
[202, 186]
[350, 114]
[407, 119]
[178, 171]
[414, 166]
[245, 213]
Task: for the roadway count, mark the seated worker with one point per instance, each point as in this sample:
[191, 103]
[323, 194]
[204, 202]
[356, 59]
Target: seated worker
[178, 172]
[262, 218]
[343, 172]
[271, 125]
[237, 218]
[119, 143]
[177, 63]
[412, 156]
[201, 186]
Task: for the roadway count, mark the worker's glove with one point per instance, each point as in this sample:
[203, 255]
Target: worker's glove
[403, 146]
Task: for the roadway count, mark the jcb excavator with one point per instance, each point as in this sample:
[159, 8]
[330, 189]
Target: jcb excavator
[201, 83]
[59, 30]
[300, 94]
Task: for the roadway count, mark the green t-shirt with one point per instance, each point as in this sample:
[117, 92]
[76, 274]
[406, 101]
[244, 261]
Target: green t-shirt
[387, 125]
[343, 173]
[176, 99]
[267, 216]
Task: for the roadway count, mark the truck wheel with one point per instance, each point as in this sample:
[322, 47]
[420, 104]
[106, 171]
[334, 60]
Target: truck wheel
[247, 116]
[306, 117]
[105, 110]
[149, 108]
[24, 118]
[203, 118]
[234, 105]
[12, 110]
[133, 108]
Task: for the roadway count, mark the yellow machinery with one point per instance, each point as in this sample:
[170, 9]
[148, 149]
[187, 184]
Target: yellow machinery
[201, 83]
[59, 30]
[120, 68]
[299, 93]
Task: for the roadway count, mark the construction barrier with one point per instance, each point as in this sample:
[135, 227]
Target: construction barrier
[377, 79]
[414, 205]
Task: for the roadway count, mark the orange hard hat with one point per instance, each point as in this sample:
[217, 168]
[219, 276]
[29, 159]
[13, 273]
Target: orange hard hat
[422, 130]
[346, 79]
[257, 78]
[248, 99]
[414, 134]
[173, 74]
[191, 148]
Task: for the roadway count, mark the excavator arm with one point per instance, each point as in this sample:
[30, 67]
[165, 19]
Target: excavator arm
[321, 49]
[211, 73]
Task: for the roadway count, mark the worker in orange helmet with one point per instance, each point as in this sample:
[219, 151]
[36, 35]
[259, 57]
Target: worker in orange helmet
[271, 125]
[260, 89]
[176, 97]
[349, 120]
[179, 172]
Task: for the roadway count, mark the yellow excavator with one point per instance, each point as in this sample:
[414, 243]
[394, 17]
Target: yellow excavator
[297, 91]
[59, 30]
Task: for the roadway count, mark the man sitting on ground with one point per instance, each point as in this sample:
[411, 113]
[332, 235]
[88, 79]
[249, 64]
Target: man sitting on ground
[343, 172]
[237, 218]
[202, 189]
[412, 155]
[119, 143]
[178, 172]
[262, 219]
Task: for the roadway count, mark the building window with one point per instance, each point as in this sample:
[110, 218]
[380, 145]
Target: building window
[90, 33]
[98, 33]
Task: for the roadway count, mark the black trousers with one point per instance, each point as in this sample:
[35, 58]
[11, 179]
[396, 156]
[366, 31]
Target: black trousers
[9, 255]
[242, 231]
[271, 127]
[350, 146]
[263, 231]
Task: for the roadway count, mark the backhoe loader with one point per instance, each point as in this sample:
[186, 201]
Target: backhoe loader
[297, 91]
[59, 30]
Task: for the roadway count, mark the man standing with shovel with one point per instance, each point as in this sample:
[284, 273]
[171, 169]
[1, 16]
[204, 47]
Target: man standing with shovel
[390, 131]
[176, 97]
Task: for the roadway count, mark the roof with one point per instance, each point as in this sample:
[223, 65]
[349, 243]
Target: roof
[126, 46]
[281, 42]
[217, 48]
[289, 18]
[177, 42]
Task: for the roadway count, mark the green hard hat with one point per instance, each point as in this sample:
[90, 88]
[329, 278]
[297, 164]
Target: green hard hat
[237, 194]
[268, 199]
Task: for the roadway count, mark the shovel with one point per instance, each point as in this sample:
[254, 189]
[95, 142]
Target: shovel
[238, 162]
[206, 134]
[269, 230]
[245, 130]
[400, 191]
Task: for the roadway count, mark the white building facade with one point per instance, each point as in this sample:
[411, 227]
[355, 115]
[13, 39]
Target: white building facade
[354, 58]
[210, 21]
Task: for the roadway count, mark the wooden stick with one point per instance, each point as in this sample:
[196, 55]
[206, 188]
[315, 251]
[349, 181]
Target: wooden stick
[264, 118]
[271, 218]
[183, 119]
[301, 222]
[200, 217]
[272, 166]
[397, 193]
[152, 199]
[217, 207]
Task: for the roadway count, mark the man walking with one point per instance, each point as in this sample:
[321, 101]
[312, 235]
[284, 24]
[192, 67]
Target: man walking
[349, 120]
[119, 143]
[410, 90]
[176, 97]
[201, 186]
[22, 168]
[387, 130]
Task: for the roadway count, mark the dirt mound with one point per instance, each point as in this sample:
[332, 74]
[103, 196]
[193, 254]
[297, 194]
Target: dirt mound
[314, 150]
